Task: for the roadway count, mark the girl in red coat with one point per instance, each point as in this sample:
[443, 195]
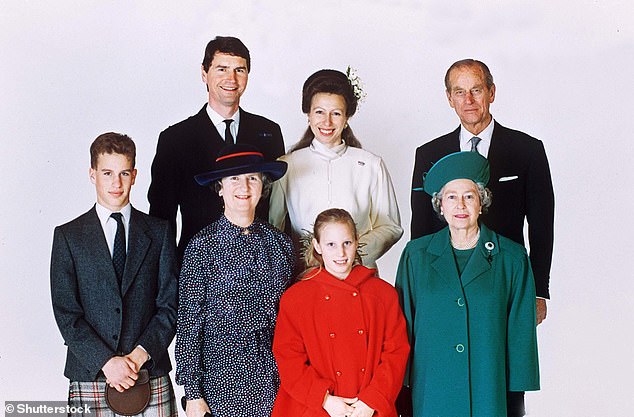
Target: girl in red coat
[340, 340]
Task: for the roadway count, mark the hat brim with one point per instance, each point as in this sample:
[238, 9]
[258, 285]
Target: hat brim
[274, 170]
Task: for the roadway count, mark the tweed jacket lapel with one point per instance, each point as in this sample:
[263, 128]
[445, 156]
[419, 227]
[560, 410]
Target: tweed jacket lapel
[95, 239]
[445, 264]
[138, 244]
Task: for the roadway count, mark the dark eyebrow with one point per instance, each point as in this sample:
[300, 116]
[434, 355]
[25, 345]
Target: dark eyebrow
[228, 66]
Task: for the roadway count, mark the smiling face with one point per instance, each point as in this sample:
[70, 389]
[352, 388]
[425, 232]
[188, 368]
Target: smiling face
[113, 178]
[470, 97]
[226, 80]
[241, 194]
[337, 246]
[460, 205]
[327, 118]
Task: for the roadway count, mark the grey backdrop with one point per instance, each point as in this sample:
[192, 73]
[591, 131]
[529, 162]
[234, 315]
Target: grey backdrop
[70, 70]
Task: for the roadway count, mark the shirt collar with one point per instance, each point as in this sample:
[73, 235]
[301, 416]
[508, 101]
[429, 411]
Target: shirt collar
[329, 153]
[104, 214]
[218, 120]
[485, 135]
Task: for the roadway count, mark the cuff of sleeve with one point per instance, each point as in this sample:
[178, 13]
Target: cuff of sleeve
[317, 393]
[375, 400]
[145, 350]
[193, 392]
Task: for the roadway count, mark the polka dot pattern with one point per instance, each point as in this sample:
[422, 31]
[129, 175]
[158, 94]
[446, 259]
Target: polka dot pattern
[229, 290]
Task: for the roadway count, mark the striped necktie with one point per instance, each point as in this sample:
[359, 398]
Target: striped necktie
[474, 143]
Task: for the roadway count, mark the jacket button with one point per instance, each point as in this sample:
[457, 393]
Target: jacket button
[332, 335]
[360, 331]
[459, 348]
[117, 310]
[354, 294]
[362, 369]
[115, 337]
[327, 297]
[338, 373]
[460, 301]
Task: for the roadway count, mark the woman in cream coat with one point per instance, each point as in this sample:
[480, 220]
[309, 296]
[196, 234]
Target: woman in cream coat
[328, 169]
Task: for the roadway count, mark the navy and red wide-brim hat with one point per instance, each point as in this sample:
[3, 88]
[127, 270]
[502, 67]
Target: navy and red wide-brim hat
[241, 159]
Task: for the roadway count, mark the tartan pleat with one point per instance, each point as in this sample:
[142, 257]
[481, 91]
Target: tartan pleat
[92, 394]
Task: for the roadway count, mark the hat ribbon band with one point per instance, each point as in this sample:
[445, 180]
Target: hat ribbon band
[233, 155]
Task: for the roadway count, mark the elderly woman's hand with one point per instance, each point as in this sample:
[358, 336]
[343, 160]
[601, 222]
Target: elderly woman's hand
[197, 408]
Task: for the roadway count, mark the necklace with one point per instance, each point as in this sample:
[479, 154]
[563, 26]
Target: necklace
[467, 245]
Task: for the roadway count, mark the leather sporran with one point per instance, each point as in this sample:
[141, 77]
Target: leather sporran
[133, 400]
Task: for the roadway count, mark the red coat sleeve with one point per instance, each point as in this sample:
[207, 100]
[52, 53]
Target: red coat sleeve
[298, 378]
[387, 379]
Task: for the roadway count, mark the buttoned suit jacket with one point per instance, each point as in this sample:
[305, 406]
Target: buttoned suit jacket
[96, 318]
[189, 148]
[522, 189]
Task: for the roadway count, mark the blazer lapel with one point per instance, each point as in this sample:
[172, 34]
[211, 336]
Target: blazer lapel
[208, 133]
[497, 149]
[445, 264]
[454, 140]
[138, 244]
[95, 239]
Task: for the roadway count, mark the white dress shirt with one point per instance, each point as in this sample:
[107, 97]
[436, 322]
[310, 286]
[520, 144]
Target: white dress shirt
[485, 136]
[109, 225]
[219, 123]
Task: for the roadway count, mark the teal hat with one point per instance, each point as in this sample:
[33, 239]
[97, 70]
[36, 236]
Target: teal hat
[458, 165]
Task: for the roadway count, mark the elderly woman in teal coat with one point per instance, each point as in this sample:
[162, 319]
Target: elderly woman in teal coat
[468, 295]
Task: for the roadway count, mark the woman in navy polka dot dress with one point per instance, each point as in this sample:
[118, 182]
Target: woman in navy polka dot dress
[233, 275]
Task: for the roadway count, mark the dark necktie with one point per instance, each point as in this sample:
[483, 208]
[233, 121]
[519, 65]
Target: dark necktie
[474, 143]
[118, 250]
[228, 136]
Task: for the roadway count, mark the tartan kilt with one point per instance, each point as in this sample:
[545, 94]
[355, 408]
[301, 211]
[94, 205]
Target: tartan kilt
[92, 394]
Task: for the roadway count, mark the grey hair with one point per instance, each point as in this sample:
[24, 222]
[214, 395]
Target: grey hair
[266, 185]
[486, 197]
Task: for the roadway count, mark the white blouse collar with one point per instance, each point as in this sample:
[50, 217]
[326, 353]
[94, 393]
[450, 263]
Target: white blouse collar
[326, 152]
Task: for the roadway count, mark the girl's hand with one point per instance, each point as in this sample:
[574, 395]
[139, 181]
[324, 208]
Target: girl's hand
[361, 409]
[338, 406]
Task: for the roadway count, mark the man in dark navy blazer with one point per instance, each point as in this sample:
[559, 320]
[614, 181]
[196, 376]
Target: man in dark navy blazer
[115, 319]
[520, 177]
[190, 147]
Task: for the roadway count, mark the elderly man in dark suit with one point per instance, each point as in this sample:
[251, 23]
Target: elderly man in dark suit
[190, 147]
[114, 288]
[520, 177]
